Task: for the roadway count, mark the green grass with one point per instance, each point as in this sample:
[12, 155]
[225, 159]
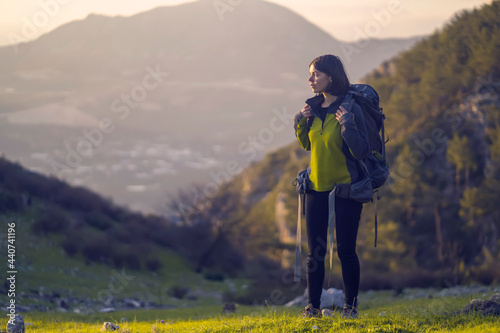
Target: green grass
[376, 315]
[43, 264]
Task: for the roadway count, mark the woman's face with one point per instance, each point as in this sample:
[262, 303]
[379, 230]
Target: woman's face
[319, 81]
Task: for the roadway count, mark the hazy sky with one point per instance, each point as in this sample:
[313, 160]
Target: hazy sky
[345, 20]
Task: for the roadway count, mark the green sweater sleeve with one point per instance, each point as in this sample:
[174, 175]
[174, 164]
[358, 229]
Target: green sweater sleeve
[302, 131]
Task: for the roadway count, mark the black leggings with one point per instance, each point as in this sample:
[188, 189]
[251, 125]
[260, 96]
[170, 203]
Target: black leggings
[348, 213]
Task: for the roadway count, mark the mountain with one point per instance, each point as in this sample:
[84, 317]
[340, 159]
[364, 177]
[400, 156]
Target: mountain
[137, 107]
[438, 217]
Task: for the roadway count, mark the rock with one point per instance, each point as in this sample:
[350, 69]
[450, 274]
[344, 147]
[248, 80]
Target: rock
[62, 303]
[231, 285]
[107, 326]
[329, 298]
[210, 294]
[131, 303]
[327, 313]
[462, 291]
[332, 297]
[191, 295]
[486, 308]
[150, 305]
[229, 307]
[495, 298]
[476, 302]
[106, 310]
[23, 308]
[300, 301]
[109, 301]
[16, 325]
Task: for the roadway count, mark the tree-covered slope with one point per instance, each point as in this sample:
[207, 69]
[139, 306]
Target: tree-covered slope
[443, 107]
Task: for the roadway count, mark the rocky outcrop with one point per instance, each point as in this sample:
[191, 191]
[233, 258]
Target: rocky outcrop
[329, 298]
[281, 214]
[107, 326]
[485, 308]
[16, 324]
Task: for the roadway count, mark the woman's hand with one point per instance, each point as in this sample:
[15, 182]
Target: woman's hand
[340, 112]
[306, 111]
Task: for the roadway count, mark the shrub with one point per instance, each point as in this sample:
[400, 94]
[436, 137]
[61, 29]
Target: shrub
[153, 264]
[130, 232]
[178, 292]
[125, 257]
[213, 276]
[98, 220]
[133, 260]
[70, 244]
[10, 202]
[486, 274]
[50, 220]
[98, 249]
[78, 198]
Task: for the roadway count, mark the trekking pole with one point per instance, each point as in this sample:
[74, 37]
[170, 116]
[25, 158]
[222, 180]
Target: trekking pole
[298, 242]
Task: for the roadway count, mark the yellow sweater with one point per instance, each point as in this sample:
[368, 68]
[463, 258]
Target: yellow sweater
[335, 145]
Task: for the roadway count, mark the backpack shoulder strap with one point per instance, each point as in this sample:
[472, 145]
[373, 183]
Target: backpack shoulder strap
[348, 101]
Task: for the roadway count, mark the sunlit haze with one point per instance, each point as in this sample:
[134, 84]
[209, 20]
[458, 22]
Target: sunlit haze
[346, 21]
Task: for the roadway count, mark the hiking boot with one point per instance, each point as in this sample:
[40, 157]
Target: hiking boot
[349, 312]
[310, 312]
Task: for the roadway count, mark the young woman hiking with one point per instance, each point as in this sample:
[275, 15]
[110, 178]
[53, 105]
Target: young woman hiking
[337, 139]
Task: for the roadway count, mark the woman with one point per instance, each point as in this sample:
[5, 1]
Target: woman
[337, 139]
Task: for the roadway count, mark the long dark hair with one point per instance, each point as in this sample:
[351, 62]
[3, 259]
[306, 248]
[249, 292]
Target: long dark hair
[332, 66]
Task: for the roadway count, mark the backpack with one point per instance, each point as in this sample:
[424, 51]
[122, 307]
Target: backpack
[374, 165]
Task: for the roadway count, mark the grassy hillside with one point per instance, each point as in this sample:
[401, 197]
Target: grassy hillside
[381, 313]
[70, 245]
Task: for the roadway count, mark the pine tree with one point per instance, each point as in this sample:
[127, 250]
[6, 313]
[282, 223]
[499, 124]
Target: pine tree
[460, 154]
